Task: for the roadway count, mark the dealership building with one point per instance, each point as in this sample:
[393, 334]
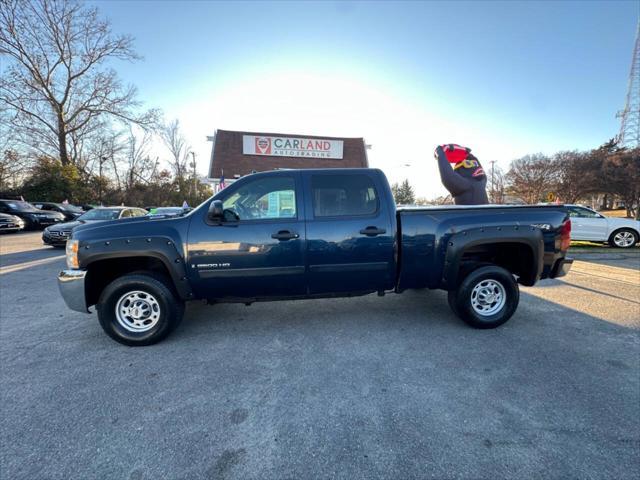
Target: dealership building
[235, 154]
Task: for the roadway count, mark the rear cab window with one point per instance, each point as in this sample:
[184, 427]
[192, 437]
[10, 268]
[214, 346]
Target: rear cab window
[347, 195]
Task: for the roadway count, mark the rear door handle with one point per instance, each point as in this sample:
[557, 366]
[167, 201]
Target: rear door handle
[284, 235]
[372, 231]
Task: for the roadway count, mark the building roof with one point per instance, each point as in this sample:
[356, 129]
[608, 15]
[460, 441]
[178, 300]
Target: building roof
[227, 154]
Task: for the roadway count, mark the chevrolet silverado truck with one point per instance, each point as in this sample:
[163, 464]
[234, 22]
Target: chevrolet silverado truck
[299, 234]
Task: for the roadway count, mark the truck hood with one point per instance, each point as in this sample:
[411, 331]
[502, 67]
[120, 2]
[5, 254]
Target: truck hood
[72, 224]
[135, 226]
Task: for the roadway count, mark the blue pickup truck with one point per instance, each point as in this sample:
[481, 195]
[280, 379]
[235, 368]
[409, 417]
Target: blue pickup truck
[294, 234]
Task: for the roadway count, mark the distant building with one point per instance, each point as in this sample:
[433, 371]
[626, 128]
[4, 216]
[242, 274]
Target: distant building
[240, 153]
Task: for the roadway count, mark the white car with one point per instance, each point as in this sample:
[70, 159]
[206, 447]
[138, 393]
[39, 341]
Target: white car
[587, 224]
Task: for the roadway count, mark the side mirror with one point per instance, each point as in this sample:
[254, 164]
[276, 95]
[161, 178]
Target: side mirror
[216, 213]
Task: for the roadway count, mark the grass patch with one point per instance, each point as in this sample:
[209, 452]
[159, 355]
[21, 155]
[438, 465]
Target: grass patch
[614, 213]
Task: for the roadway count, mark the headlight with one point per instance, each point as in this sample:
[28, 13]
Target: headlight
[72, 254]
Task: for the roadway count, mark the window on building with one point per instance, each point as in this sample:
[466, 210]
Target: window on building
[343, 195]
[265, 198]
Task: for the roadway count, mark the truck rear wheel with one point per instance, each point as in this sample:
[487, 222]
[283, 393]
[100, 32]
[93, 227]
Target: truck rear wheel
[139, 309]
[486, 297]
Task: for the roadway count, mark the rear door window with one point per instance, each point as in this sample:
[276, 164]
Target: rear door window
[343, 195]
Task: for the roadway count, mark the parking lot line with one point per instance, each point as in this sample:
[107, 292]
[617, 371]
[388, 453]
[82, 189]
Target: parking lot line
[34, 263]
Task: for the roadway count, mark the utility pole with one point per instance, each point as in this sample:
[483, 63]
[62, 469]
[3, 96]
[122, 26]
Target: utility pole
[629, 135]
[100, 162]
[195, 179]
[493, 183]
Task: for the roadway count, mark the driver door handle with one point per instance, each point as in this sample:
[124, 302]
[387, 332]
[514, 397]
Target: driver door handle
[372, 231]
[283, 235]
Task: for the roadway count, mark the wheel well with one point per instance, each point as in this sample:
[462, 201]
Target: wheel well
[619, 229]
[102, 272]
[515, 257]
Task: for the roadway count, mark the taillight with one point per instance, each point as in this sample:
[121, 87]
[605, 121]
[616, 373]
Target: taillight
[565, 235]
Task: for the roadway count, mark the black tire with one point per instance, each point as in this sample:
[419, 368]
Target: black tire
[621, 238]
[156, 298]
[487, 281]
[451, 298]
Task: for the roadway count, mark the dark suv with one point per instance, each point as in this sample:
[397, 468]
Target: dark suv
[33, 217]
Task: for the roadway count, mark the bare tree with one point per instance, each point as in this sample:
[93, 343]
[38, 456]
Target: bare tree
[496, 185]
[532, 176]
[580, 174]
[56, 83]
[139, 166]
[622, 177]
[178, 147]
[13, 169]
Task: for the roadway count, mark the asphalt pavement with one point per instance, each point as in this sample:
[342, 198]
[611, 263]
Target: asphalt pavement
[393, 387]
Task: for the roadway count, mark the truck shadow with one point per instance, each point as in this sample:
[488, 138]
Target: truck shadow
[552, 383]
[17, 258]
[421, 309]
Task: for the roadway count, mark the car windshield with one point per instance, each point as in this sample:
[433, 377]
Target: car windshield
[70, 208]
[20, 206]
[101, 214]
[166, 211]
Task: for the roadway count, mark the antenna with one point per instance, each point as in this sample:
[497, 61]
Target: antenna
[629, 135]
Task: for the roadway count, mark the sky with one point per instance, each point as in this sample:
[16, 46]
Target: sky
[503, 78]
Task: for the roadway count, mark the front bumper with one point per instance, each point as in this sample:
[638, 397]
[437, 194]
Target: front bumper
[58, 241]
[71, 285]
[561, 268]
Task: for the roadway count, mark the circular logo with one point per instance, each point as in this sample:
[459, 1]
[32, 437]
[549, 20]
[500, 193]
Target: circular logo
[262, 144]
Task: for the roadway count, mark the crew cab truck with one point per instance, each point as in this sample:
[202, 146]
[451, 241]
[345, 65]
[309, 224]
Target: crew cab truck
[294, 234]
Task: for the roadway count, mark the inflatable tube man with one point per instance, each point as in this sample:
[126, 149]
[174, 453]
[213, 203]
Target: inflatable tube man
[466, 181]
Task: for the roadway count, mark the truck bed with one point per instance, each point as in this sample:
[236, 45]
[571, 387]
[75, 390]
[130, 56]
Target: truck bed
[426, 237]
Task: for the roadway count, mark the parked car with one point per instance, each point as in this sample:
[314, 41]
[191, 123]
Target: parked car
[33, 218]
[70, 212]
[291, 234]
[168, 211]
[10, 223]
[587, 224]
[57, 235]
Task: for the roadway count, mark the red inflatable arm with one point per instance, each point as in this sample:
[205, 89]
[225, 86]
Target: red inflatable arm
[455, 153]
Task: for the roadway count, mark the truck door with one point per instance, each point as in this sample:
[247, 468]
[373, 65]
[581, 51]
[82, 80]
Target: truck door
[258, 250]
[350, 234]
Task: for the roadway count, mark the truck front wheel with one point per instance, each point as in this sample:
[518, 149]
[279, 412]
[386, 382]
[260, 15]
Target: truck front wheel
[486, 297]
[139, 309]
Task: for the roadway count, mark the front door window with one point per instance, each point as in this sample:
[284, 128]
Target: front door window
[263, 199]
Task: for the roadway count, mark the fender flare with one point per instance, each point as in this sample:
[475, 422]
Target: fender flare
[459, 242]
[158, 247]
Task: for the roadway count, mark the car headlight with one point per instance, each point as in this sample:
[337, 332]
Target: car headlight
[72, 254]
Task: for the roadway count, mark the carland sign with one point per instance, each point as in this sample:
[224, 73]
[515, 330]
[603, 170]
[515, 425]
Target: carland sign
[291, 147]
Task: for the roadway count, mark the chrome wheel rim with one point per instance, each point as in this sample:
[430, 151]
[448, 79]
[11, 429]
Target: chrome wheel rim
[137, 311]
[488, 297]
[624, 239]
